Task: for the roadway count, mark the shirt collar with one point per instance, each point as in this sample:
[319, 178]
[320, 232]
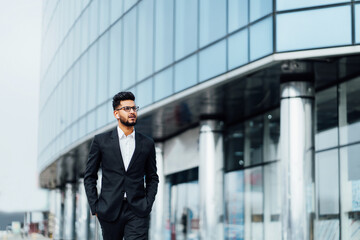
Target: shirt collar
[121, 133]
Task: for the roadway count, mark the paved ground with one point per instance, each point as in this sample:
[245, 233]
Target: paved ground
[33, 236]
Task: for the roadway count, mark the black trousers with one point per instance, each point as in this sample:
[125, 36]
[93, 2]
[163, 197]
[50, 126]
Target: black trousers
[127, 226]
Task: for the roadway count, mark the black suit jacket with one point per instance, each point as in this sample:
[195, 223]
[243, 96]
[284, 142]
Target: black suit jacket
[105, 151]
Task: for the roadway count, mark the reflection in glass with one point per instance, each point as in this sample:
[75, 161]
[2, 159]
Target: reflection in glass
[261, 39]
[254, 204]
[272, 136]
[312, 28]
[185, 210]
[212, 61]
[238, 14]
[234, 142]
[145, 39]
[238, 49]
[164, 21]
[350, 192]
[253, 150]
[349, 111]
[327, 195]
[186, 27]
[326, 119]
[234, 205]
[186, 73]
[212, 28]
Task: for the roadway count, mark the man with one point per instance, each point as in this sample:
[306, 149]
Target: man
[127, 159]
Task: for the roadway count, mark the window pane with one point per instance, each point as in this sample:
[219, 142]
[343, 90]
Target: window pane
[92, 77]
[129, 49]
[238, 49]
[212, 28]
[327, 175]
[238, 14]
[261, 39]
[259, 8]
[83, 83]
[349, 118]
[101, 116]
[103, 64]
[350, 192]
[254, 141]
[314, 28]
[357, 23]
[145, 39]
[186, 73]
[91, 121]
[254, 202]
[128, 4]
[213, 61]
[327, 186]
[234, 143]
[164, 33]
[186, 29]
[292, 4]
[234, 205]
[144, 94]
[104, 18]
[272, 136]
[115, 58]
[116, 8]
[94, 20]
[163, 84]
[326, 119]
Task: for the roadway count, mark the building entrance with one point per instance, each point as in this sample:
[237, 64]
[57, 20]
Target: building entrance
[185, 211]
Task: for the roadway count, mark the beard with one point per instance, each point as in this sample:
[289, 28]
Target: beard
[127, 123]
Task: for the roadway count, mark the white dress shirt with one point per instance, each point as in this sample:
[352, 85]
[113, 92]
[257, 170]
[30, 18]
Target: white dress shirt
[127, 146]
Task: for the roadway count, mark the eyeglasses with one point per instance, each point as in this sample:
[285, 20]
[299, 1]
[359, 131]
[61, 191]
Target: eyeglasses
[128, 109]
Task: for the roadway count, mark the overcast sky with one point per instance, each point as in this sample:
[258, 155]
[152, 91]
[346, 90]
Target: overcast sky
[20, 47]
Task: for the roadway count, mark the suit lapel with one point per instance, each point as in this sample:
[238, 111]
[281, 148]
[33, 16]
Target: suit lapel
[116, 147]
[138, 142]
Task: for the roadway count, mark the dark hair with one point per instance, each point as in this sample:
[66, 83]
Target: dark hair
[121, 96]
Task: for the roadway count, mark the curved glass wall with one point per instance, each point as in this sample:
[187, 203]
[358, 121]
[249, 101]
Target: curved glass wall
[94, 48]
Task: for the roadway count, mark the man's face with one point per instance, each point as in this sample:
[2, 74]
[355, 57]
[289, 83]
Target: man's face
[126, 118]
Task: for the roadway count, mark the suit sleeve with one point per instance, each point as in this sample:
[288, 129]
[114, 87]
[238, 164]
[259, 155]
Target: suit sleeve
[152, 179]
[90, 177]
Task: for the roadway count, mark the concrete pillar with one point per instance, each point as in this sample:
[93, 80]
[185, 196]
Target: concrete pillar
[297, 155]
[82, 212]
[59, 214]
[69, 212]
[157, 215]
[211, 180]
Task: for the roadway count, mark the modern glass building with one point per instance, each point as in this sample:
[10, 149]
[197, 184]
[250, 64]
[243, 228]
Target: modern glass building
[254, 106]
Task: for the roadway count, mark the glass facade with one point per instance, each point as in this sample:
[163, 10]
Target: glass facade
[337, 163]
[252, 179]
[93, 49]
[106, 46]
